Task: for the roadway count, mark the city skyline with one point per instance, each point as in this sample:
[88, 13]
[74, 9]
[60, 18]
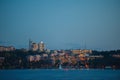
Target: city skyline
[64, 24]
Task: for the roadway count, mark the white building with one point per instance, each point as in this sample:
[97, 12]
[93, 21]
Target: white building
[41, 46]
[33, 58]
[37, 57]
[36, 47]
[30, 58]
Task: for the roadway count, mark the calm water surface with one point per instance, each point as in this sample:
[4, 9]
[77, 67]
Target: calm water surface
[54, 74]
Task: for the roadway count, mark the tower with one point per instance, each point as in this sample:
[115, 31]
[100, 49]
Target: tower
[30, 44]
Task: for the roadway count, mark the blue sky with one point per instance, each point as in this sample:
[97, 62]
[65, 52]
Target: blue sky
[61, 24]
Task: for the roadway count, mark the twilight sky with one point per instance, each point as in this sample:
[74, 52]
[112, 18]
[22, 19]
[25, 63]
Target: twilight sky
[61, 24]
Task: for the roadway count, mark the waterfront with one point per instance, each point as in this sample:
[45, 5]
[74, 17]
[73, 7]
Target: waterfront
[56, 74]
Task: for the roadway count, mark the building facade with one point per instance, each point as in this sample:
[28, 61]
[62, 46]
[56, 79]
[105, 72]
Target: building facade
[36, 47]
[41, 46]
[6, 48]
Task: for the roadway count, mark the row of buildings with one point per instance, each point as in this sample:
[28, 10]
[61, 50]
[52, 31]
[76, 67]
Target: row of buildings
[61, 54]
[55, 54]
[32, 47]
[36, 47]
[7, 48]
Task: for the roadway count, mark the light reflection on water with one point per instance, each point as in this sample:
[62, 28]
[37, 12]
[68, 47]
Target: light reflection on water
[55, 74]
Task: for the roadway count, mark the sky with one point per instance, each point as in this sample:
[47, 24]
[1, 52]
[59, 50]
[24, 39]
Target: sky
[61, 24]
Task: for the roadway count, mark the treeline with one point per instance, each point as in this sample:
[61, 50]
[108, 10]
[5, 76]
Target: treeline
[18, 60]
[108, 59]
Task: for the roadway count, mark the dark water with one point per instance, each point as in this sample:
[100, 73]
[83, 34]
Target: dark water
[52, 74]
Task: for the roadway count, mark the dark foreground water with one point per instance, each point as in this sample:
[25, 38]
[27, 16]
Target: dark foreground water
[54, 74]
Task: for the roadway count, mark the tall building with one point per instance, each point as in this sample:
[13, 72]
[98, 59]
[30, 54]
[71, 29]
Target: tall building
[41, 46]
[36, 47]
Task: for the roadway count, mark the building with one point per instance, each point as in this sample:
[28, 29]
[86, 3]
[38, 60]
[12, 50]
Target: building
[36, 47]
[37, 57]
[44, 55]
[41, 46]
[30, 58]
[33, 58]
[82, 54]
[84, 51]
[6, 48]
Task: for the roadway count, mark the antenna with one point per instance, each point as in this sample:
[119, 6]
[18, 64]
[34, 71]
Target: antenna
[85, 45]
